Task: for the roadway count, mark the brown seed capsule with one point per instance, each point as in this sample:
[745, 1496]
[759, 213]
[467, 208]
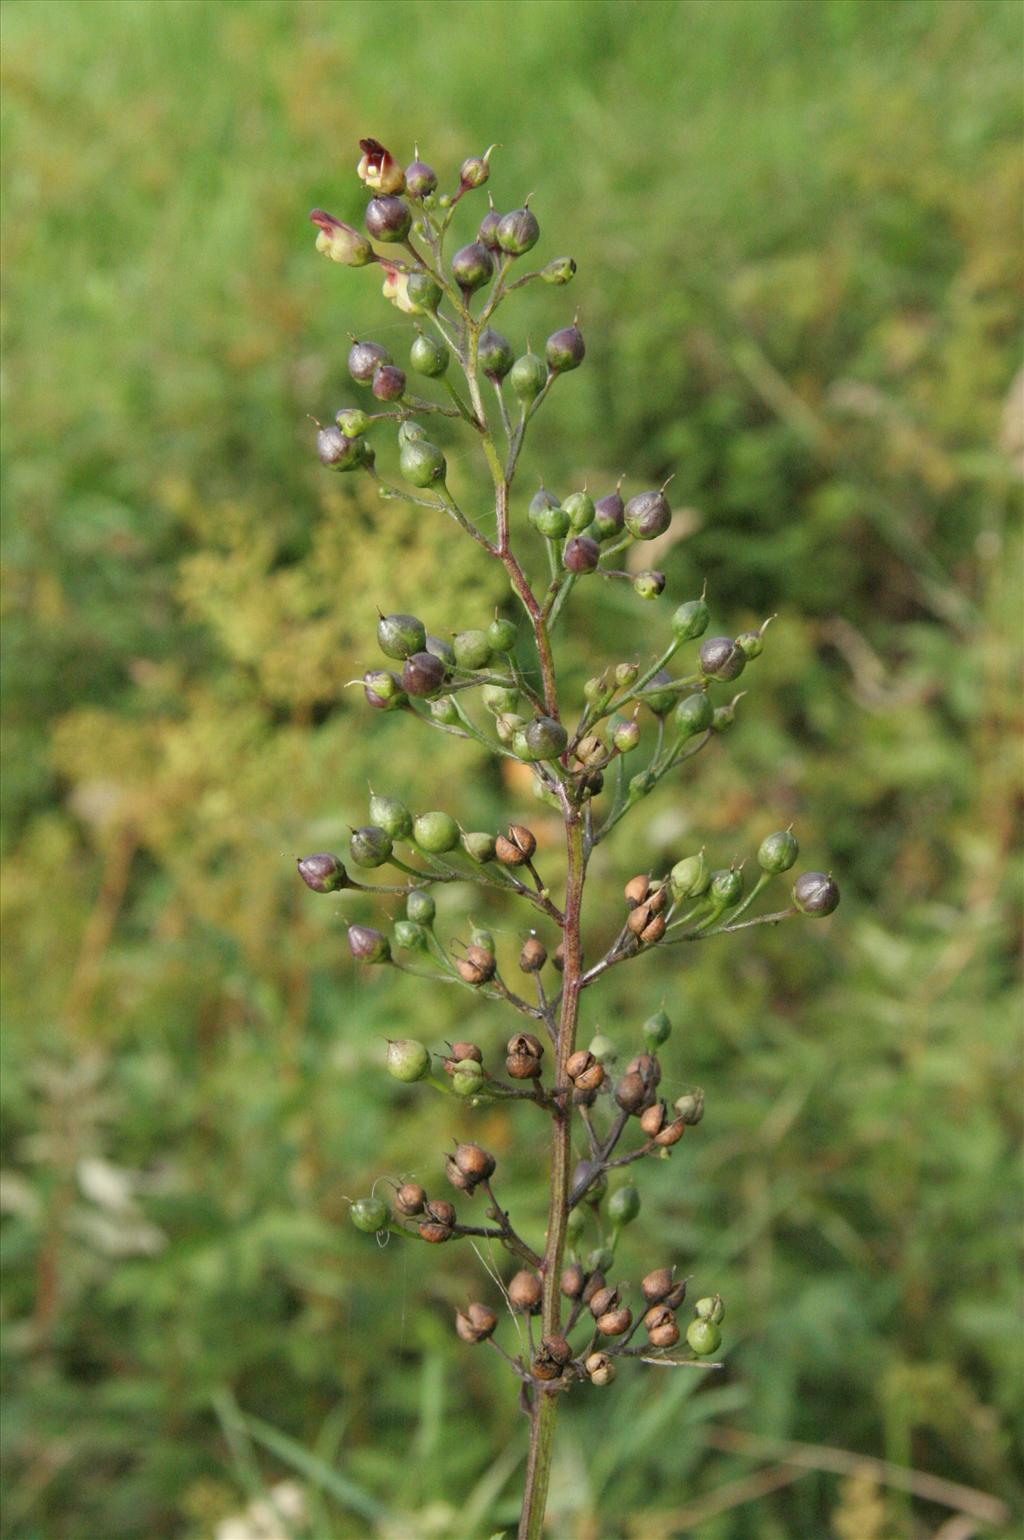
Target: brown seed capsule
[666, 1335]
[558, 960]
[462, 1051]
[652, 933]
[645, 1064]
[604, 1300]
[657, 1285]
[552, 1356]
[657, 899]
[600, 1369]
[657, 1315]
[572, 1281]
[557, 1348]
[459, 1179]
[516, 847]
[525, 1293]
[652, 1119]
[533, 956]
[522, 1066]
[525, 1042]
[435, 1233]
[639, 919]
[478, 966]
[595, 1282]
[586, 1074]
[474, 1161]
[476, 1324]
[632, 1094]
[615, 1322]
[545, 1368]
[671, 1133]
[410, 1198]
[678, 1294]
[441, 1211]
[637, 889]
[591, 752]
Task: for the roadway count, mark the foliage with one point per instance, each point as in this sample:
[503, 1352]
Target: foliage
[821, 197]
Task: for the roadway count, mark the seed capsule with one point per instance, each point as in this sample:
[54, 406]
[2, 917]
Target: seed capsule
[364, 359]
[336, 451]
[594, 1284]
[407, 1059]
[777, 852]
[559, 270]
[581, 554]
[670, 1134]
[657, 1285]
[494, 354]
[524, 1056]
[690, 1107]
[690, 620]
[475, 170]
[440, 1210]
[711, 1308]
[422, 674]
[517, 846]
[472, 266]
[533, 955]
[369, 1214]
[704, 1337]
[487, 232]
[631, 1093]
[479, 846]
[435, 832]
[720, 658]
[324, 873]
[429, 357]
[659, 701]
[615, 1322]
[368, 945]
[477, 967]
[435, 1233]
[584, 1070]
[572, 1281]
[369, 847]
[527, 376]
[647, 515]
[580, 508]
[694, 714]
[526, 1293]
[472, 649]
[649, 585]
[603, 1300]
[518, 232]
[565, 350]
[419, 906]
[652, 1119]
[458, 1179]
[420, 179]
[476, 1324]
[690, 878]
[410, 1198]
[388, 218]
[653, 933]
[389, 383]
[608, 515]
[422, 293]
[660, 1325]
[474, 1161]
[545, 738]
[624, 1205]
[400, 635]
[600, 1369]
[815, 893]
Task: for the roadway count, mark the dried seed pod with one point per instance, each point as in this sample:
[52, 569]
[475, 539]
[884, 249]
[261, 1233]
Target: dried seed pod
[572, 1281]
[435, 1233]
[459, 1180]
[637, 889]
[524, 1056]
[586, 1074]
[463, 1051]
[652, 1119]
[639, 918]
[657, 899]
[476, 1324]
[675, 1298]
[604, 1300]
[474, 1162]
[526, 1293]
[657, 1315]
[632, 1093]
[517, 846]
[557, 1348]
[410, 1198]
[614, 1323]
[558, 959]
[652, 933]
[545, 1368]
[594, 1284]
[533, 956]
[666, 1334]
[478, 965]
[600, 1369]
[657, 1285]
[690, 1106]
[440, 1210]
[671, 1133]
[645, 1064]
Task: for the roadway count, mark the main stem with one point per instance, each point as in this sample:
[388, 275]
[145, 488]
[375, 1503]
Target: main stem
[545, 1403]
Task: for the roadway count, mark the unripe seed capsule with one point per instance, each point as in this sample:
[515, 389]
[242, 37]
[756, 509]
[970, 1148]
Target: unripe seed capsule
[369, 1214]
[704, 1337]
[324, 873]
[475, 170]
[388, 218]
[565, 350]
[720, 658]
[472, 266]
[518, 232]
[479, 846]
[389, 383]
[494, 354]
[604, 1050]
[369, 847]
[428, 357]
[694, 715]
[501, 634]
[777, 852]
[472, 649]
[659, 701]
[626, 736]
[608, 515]
[391, 815]
[711, 1308]
[441, 649]
[690, 878]
[400, 635]
[545, 738]
[420, 906]
[580, 508]
[487, 233]
[420, 179]
[559, 270]
[352, 421]
[409, 936]
[422, 674]
[527, 376]
[657, 1028]
[422, 293]
[727, 886]
[547, 515]
[435, 832]
[649, 585]
[690, 620]
[581, 555]
[407, 1059]
[368, 945]
[364, 359]
[624, 1205]
[647, 515]
[336, 451]
[815, 893]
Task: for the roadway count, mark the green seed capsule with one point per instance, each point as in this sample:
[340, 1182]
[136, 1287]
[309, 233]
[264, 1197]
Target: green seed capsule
[352, 422]
[657, 1029]
[690, 878]
[369, 847]
[410, 432]
[580, 509]
[444, 710]
[602, 1258]
[604, 1050]
[727, 886]
[435, 832]
[422, 464]
[695, 714]
[690, 620]
[624, 1205]
[545, 738]
[659, 701]
[711, 1309]
[494, 354]
[548, 519]
[528, 376]
[704, 1337]
[777, 852]
[407, 1059]
[479, 847]
[399, 635]
[649, 585]
[472, 649]
[468, 1079]
[369, 1214]
[419, 906]
[423, 294]
[428, 356]
[392, 816]
[518, 232]
[409, 936]
[502, 634]
[559, 270]
[576, 1223]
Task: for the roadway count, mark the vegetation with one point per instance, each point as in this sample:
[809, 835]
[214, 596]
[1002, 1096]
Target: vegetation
[797, 224]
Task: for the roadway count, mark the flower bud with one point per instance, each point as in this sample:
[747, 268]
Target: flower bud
[407, 1059]
[410, 1198]
[726, 886]
[388, 383]
[624, 1205]
[720, 658]
[615, 1323]
[581, 554]
[815, 893]
[600, 1369]
[518, 232]
[472, 266]
[690, 620]
[370, 846]
[475, 170]
[690, 1107]
[400, 635]
[694, 714]
[662, 1330]
[479, 847]
[428, 356]
[419, 906]
[711, 1309]
[476, 1324]
[659, 701]
[472, 649]
[565, 349]
[626, 735]
[690, 878]
[494, 354]
[422, 674]
[604, 1050]
[647, 515]
[649, 585]
[378, 169]
[409, 936]
[657, 1028]
[336, 451]
[525, 1293]
[704, 1337]
[369, 1214]
[352, 421]
[527, 376]
[545, 738]
[533, 955]
[435, 832]
[364, 359]
[572, 1281]
[422, 464]
[422, 294]
[339, 241]
[777, 852]
[580, 508]
[323, 872]
[420, 179]
[559, 270]
[388, 219]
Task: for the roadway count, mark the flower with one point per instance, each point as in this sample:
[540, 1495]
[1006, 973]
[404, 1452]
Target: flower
[378, 169]
[396, 288]
[340, 242]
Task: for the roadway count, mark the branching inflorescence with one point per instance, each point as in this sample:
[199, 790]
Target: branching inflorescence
[497, 686]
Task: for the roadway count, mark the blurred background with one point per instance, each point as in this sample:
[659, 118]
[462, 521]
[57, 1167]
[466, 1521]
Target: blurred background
[797, 229]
